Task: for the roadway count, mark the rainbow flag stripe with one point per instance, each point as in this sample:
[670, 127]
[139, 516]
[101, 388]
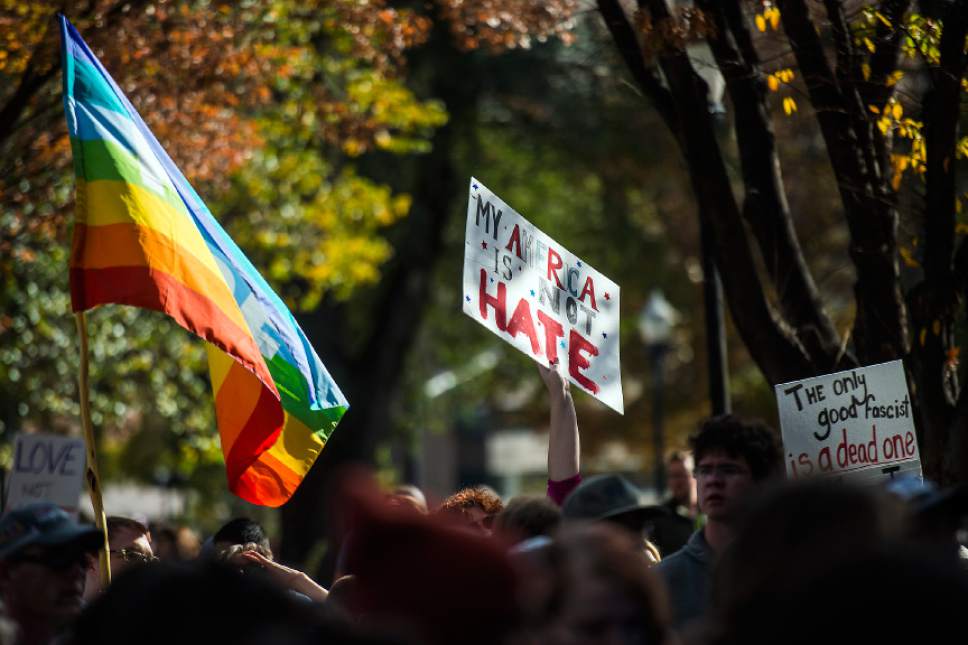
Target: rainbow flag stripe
[143, 237]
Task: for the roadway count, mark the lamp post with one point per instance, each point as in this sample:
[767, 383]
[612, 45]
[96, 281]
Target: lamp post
[656, 321]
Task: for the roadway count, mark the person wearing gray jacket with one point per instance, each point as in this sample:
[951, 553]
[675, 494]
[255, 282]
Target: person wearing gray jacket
[733, 457]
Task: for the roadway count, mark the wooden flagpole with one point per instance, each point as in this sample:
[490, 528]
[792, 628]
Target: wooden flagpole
[91, 477]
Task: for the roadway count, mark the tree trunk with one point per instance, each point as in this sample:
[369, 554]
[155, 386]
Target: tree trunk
[370, 371]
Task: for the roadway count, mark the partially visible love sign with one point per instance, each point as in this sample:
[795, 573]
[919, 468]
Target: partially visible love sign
[46, 468]
[536, 295]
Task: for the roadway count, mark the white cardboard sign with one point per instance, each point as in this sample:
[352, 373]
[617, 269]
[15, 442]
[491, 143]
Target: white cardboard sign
[540, 298]
[856, 424]
[46, 468]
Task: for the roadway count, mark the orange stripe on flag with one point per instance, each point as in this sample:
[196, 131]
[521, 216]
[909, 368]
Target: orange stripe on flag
[130, 245]
[143, 287]
[269, 481]
[235, 399]
[260, 431]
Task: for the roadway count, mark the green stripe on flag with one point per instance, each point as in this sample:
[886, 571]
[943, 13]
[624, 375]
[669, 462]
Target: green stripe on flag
[292, 386]
[106, 160]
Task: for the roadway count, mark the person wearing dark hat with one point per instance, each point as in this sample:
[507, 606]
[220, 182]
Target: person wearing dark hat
[614, 499]
[44, 555]
[733, 458]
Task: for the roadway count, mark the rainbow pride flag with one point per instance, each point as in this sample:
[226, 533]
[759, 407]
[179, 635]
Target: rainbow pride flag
[143, 237]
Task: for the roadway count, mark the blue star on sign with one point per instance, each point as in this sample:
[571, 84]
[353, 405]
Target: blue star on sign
[475, 186]
[604, 335]
[467, 298]
[579, 262]
[492, 279]
[532, 293]
[563, 345]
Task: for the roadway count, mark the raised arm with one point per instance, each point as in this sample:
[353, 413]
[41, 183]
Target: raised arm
[564, 446]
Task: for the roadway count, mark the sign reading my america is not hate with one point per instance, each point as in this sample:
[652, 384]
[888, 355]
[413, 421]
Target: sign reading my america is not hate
[539, 297]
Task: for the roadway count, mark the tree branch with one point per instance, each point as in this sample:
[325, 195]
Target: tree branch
[942, 108]
[628, 47]
[765, 207]
[883, 62]
[880, 327]
[768, 337]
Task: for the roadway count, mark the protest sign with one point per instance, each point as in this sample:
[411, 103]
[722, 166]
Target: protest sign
[46, 468]
[856, 424]
[540, 298]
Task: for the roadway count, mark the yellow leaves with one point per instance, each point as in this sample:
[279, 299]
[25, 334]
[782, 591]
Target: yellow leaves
[907, 256]
[771, 17]
[893, 79]
[900, 163]
[784, 76]
[353, 147]
[869, 44]
[883, 19]
[897, 111]
[961, 149]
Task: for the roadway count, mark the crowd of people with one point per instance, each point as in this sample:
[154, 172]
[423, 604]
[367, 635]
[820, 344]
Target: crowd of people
[736, 555]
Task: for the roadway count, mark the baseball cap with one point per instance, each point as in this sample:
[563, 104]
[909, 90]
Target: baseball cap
[44, 524]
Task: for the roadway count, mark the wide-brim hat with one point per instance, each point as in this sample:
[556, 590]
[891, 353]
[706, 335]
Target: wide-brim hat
[45, 524]
[609, 497]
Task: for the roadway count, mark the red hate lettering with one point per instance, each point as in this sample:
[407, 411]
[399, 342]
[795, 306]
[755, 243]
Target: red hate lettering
[554, 263]
[576, 345]
[521, 322]
[589, 289]
[485, 299]
[553, 331]
[909, 443]
[515, 241]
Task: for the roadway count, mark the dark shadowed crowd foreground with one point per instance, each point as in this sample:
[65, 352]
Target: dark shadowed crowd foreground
[736, 555]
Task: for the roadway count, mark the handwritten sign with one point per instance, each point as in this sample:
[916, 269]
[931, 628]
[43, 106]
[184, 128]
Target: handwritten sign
[46, 468]
[540, 298]
[856, 424]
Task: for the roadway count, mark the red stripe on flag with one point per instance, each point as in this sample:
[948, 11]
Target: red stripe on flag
[150, 289]
[269, 481]
[258, 434]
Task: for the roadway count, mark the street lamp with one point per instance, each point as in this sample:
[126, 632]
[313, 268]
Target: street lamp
[656, 321]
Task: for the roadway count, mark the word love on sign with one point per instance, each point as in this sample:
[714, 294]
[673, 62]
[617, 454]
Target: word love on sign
[533, 293]
[856, 424]
[46, 468]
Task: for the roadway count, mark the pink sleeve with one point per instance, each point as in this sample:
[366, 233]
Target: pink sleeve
[559, 490]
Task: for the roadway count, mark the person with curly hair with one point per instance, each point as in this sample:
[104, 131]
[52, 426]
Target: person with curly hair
[733, 458]
[472, 508]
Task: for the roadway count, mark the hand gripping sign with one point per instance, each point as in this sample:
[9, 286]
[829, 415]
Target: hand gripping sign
[536, 295]
[856, 424]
